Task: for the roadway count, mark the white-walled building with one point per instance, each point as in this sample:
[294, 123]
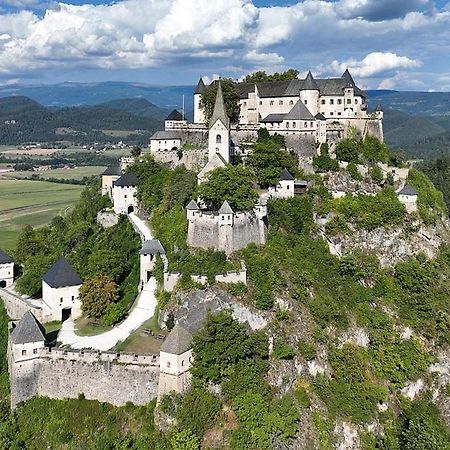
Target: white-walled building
[6, 270]
[303, 107]
[124, 193]
[164, 141]
[110, 175]
[27, 338]
[149, 251]
[174, 120]
[408, 197]
[285, 187]
[60, 292]
[175, 359]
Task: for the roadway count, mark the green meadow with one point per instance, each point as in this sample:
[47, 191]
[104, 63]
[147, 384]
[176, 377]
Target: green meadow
[35, 203]
[68, 174]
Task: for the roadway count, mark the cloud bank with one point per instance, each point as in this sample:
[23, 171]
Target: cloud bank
[374, 38]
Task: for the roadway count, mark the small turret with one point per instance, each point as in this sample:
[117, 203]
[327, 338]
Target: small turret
[310, 83]
[309, 94]
[199, 115]
[226, 214]
[192, 210]
[27, 338]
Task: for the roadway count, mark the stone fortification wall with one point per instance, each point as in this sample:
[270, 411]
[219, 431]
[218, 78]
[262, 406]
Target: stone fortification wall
[106, 377]
[16, 306]
[192, 159]
[204, 232]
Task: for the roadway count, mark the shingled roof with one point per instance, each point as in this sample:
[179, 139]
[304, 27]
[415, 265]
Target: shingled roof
[286, 175]
[28, 330]
[175, 115]
[62, 274]
[299, 112]
[178, 341]
[5, 258]
[219, 112]
[152, 247]
[200, 87]
[225, 208]
[127, 179]
[113, 170]
[165, 134]
[408, 190]
[292, 88]
[192, 205]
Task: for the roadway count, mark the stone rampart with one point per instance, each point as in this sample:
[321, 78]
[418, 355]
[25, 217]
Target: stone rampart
[16, 306]
[192, 159]
[116, 378]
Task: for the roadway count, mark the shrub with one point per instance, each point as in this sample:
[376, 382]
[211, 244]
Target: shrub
[348, 150]
[352, 169]
[282, 350]
[307, 350]
[237, 289]
[376, 174]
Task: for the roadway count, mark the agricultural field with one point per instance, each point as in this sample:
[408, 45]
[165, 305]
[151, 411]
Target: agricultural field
[67, 174]
[24, 202]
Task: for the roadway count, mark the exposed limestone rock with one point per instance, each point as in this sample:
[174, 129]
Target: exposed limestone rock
[347, 436]
[413, 388]
[442, 369]
[391, 245]
[355, 336]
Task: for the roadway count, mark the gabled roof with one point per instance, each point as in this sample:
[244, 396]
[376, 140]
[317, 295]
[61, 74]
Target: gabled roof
[286, 175]
[214, 162]
[299, 112]
[192, 205]
[310, 83]
[178, 341]
[163, 134]
[62, 274]
[127, 179]
[175, 115]
[200, 87]
[113, 170]
[5, 258]
[152, 247]
[408, 190]
[225, 208]
[219, 112]
[273, 118]
[28, 330]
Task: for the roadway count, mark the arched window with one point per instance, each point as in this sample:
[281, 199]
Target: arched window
[218, 139]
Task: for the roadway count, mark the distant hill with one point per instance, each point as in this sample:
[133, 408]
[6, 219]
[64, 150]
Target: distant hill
[24, 120]
[138, 106]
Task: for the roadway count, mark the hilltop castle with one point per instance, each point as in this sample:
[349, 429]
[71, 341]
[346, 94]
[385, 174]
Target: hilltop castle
[324, 109]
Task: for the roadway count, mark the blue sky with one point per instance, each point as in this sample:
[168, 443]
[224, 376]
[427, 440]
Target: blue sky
[392, 44]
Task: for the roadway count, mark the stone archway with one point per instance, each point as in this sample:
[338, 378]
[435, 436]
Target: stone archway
[2, 283]
[130, 209]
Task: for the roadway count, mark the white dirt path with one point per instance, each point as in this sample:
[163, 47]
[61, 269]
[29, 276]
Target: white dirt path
[142, 310]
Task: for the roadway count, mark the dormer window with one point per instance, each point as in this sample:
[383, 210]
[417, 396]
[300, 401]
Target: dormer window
[305, 102]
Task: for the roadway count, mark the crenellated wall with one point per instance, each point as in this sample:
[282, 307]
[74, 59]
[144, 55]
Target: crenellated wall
[115, 378]
[16, 306]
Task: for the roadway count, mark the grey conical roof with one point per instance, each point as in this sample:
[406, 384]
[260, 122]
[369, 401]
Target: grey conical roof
[192, 205]
[310, 83]
[220, 112]
[348, 78]
[225, 208]
[28, 330]
[408, 190]
[286, 175]
[5, 258]
[178, 341]
[299, 112]
[62, 274]
[175, 115]
[200, 87]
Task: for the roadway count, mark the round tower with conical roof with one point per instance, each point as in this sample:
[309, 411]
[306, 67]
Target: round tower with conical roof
[309, 94]
[199, 115]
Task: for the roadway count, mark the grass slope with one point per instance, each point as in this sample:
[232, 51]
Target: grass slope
[35, 203]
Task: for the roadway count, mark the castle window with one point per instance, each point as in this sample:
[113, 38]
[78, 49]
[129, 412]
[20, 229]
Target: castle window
[356, 101]
[168, 363]
[271, 103]
[60, 300]
[291, 102]
[245, 103]
[339, 114]
[349, 101]
[331, 113]
[305, 102]
[229, 217]
[218, 139]
[182, 362]
[260, 102]
[287, 125]
[339, 101]
[331, 102]
[323, 102]
[312, 124]
[73, 298]
[280, 102]
[293, 124]
[24, 352]
[306, 124]
[35, 350]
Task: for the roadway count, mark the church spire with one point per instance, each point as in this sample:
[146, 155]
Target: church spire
[219, 112]
[348, 78]
[310, 83]
[200, 87]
